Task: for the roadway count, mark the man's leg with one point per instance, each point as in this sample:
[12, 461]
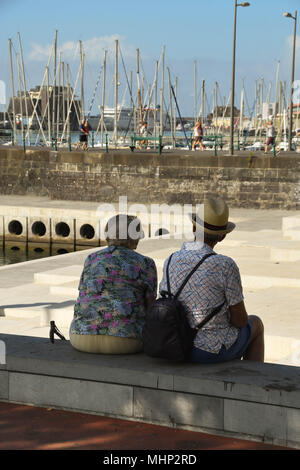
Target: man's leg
[256, 347]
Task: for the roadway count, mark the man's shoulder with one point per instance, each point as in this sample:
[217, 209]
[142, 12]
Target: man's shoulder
[185, 255]
[227, 261]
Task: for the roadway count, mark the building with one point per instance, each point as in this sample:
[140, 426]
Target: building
[49, 103]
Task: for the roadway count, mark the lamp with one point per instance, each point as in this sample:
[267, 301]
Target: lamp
[244, 4]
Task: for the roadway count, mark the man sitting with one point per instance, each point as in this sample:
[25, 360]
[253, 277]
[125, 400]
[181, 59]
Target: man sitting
[231, 334]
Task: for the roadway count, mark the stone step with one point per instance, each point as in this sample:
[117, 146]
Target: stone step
[256, 274]
[29, 327]
[285, 254]
[58, 276]
[62, 315]
[25, 301]
[55, 310]
[282, 350]
[278, 307]
[264, 282]
[292, 234]
[69, 289]
[290, 222]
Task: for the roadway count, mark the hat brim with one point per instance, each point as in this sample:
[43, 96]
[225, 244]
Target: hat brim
[199, 223]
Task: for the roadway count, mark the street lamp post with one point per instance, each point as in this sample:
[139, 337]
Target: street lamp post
[236, 4]
[289, 15]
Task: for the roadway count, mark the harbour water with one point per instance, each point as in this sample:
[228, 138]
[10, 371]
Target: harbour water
[36, 139]
[17, 252]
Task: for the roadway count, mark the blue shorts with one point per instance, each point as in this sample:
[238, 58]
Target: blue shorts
[236, 351]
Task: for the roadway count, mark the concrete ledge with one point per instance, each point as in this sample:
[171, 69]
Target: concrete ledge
[241, 399]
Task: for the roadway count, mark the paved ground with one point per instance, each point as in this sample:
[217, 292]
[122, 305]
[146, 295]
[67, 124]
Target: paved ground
[32, 428]
[32, 293]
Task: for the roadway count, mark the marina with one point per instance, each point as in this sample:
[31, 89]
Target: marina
[50, 114]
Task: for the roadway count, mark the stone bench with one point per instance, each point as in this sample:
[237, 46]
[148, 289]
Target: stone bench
[238, 399]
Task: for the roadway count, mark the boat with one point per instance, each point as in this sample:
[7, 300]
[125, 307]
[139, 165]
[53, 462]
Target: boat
[125, 119]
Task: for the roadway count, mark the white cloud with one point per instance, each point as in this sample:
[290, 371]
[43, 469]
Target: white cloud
[93, 49]
[290, 42]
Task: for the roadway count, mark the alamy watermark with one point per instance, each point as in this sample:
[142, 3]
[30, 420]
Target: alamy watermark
[2, 352]
[296, 92]
[168, 221]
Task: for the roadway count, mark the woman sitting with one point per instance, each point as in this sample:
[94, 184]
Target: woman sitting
[116, 287]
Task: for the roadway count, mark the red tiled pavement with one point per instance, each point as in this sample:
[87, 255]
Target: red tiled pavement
[32, 428]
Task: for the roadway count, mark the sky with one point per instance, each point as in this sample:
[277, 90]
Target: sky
[192, 32]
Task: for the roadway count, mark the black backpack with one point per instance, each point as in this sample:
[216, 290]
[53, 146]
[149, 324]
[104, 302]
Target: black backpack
[167, 333]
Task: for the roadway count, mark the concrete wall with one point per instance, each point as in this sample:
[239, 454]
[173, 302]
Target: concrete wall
[182, 177]
[240, 399]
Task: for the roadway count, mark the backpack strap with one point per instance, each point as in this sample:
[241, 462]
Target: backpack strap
[210, 316]
[191, 273]
[168, 278]
[215, 310]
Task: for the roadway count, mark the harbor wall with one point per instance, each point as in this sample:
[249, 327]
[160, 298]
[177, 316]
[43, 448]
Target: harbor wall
[245, 181]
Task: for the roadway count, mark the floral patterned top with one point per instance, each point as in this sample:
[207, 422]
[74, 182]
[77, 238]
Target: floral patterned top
[115, 284]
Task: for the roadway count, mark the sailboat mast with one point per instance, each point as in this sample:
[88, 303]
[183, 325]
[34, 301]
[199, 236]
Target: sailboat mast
[195, 92]
[176, 90]
[171, 108]
[103, 97]
[24, 82]
[217, 86]
[203, 102]
[279, 130]
[242, 109]
[162, 91]
[12, 91]
[54, 85]
[139, 85]
[63, 94]
[155, 98]
[20, 93]
[48, 105]
[116, 93]
[58, 96]
[276, 89]
[82, 78]
[68, 102]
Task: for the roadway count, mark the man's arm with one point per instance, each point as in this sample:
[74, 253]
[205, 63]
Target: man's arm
[238, 315]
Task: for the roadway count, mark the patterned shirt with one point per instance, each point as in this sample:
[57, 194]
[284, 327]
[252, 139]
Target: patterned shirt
[114, 287]
[215, 281]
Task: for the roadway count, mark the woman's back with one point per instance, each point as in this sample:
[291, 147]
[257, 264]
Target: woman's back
[115, 285]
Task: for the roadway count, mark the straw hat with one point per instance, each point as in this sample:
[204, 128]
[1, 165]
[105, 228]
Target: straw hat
[216, 214]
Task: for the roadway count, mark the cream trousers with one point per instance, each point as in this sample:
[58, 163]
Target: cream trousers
[105, 344]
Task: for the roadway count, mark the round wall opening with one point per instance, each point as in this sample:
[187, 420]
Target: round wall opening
[161, 231]
[38, 250]
[87, 231]
[15, 248]
[15, 227]
[38, 228]
[62, 229]
[62, 251]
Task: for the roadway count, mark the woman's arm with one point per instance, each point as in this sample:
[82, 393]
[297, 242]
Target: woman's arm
[149, 300]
